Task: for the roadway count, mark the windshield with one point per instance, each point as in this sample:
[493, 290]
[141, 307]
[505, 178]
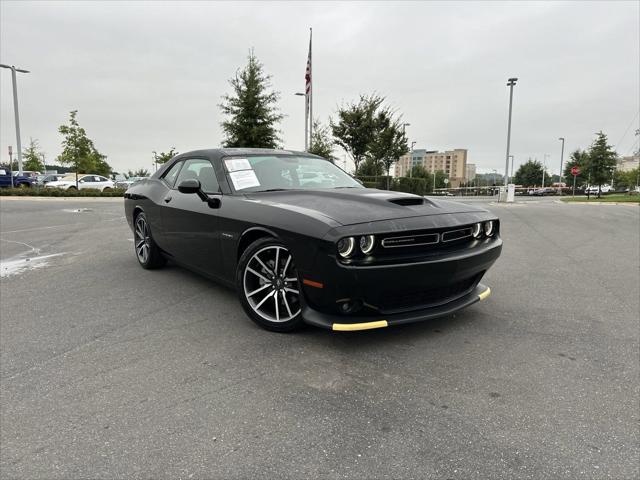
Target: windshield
[259, 174]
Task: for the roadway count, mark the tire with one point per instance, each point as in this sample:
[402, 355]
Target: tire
[106, 189]
[23, 185]
[278, 309]
[147, 252]
[72, 188]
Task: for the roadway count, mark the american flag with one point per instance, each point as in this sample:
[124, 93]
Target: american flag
[307, 75]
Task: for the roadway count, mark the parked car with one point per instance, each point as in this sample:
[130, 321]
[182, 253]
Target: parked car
[42, 180]
[19, 181]
[539, 192]
[127, 182]
[68, 182]
[333, 253]
[593, 189]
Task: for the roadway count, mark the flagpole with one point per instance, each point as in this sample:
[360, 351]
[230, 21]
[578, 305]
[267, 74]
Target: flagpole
[311, 90]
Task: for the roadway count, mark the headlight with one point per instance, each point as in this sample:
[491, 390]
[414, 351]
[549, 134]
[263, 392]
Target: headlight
[366, 243]
[488, 228]
[346, 246]
[476, 230]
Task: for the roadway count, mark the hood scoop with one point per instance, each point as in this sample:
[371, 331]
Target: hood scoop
[408, 201]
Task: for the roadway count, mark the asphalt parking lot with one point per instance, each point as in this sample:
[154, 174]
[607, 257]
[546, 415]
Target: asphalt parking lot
[108, 370]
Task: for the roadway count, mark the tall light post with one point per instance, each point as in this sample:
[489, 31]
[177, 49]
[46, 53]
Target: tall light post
[544, 167]
[512, 175]
[411, 160]
[510, 83]
[15, 111]
[561, 159]
[306, 126]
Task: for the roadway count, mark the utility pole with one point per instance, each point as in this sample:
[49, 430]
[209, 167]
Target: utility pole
[411, 160]
[561, 159]
[510, 83]
[15, 111]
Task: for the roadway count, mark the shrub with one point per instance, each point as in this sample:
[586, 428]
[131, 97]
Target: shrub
[56, 192]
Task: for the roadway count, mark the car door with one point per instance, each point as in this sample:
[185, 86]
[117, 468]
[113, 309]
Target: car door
[190, 225]
[87, 181]
[5, 178]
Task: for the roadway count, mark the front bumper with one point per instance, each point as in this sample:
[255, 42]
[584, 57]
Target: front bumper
[336, 322]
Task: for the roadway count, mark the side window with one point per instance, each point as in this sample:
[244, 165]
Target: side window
[202, 170]
[3, 172]
[172, 173]
[102, 179]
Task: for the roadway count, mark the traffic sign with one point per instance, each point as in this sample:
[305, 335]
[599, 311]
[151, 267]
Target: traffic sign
[575, 171]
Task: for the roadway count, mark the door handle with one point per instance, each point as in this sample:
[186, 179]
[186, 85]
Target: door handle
[167, 199]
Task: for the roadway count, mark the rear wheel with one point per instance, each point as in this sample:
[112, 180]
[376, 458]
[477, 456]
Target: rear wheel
[268, 287]
[147, 252]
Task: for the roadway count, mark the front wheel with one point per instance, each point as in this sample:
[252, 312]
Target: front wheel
[147, 252]
[268, 287]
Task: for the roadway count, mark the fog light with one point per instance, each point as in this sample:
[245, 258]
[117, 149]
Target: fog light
[476, 230]
[366, 244]
[346, 246]
[350, 306]
[488, 228]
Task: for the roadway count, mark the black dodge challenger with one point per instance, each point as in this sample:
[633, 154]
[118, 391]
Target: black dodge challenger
[302, 241]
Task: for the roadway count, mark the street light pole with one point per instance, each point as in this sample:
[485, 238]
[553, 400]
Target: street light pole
[512, 175]
[15, 111]
[544, 167]
[510, 83]
[561, 159]
[411, 160]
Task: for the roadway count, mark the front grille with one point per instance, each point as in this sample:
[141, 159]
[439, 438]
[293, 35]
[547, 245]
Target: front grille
[418, 299]
[452, 235]
[411, 240]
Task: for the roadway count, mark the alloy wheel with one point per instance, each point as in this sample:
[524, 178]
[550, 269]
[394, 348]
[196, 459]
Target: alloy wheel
[270, 284]
[142, 239]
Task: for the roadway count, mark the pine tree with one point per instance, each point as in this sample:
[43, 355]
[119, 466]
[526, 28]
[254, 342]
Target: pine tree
[78, 150]
[33, 157]
[251, 110]
[602, 162]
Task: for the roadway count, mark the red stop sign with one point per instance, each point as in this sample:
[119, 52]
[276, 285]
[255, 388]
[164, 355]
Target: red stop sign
[575, 171]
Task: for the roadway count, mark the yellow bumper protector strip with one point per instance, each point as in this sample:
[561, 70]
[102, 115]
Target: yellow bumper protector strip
[351, 327]
[485, 294]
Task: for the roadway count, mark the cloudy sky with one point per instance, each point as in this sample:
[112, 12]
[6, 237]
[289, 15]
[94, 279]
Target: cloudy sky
[147, 76]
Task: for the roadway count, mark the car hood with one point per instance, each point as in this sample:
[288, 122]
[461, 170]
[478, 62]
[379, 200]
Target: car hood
[359, 205]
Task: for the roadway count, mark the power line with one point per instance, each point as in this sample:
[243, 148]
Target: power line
[627, 130]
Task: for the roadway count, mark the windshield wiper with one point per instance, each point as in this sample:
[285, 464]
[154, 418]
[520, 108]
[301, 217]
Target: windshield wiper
[345, 187]
[272, 190]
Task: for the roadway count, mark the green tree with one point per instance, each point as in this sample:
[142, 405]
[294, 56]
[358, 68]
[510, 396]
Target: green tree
[602, 162]
[389, 142]
[529, 174]
[370, 168]
[141, 172]
[321, 141]
[78, 150]
[252, 115]
[578, 158]
[164, 157]
[32, 157]
[355, 127]
[418, 171]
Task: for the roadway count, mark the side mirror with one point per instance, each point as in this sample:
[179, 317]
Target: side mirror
[190, 185]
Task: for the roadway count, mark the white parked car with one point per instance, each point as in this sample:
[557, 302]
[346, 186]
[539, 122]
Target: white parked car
[68, 182]
[593, 189]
